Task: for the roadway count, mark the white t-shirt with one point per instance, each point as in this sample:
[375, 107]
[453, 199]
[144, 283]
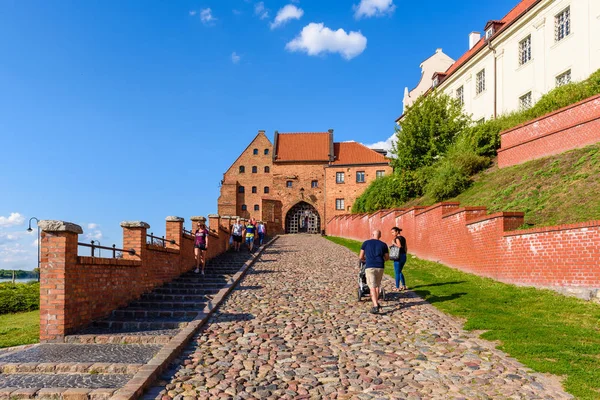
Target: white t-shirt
[237, 229]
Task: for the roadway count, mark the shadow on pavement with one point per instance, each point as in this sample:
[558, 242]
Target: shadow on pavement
[228, 317]
[249, 287]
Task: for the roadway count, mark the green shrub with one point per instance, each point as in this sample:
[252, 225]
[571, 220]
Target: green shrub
[447, 181]
[19, 297]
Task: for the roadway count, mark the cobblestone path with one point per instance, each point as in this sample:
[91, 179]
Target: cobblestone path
[294, 329]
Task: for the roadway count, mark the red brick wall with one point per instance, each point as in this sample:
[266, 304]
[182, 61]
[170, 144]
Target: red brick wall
[76, 290]
[569, 128]
[488, 245]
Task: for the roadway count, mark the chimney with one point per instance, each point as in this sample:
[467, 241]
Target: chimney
[473, 39]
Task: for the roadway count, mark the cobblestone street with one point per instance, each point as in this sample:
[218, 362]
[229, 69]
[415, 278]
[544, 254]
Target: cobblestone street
[294, 329]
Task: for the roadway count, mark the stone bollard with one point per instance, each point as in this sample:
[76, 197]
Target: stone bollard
[134, 237]
[58, 264]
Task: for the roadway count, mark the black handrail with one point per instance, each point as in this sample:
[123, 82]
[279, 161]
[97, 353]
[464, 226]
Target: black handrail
[159, 238]
[113, 248]
[188, 232]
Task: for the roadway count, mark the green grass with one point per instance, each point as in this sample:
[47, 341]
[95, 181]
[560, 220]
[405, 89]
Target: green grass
[20, 328]
[561, 189]
[545, 331]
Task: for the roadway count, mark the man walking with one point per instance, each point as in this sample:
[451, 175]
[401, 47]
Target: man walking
[374, 254]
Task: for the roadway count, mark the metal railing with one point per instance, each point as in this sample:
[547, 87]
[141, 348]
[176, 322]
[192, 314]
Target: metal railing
[158, 240]
[188, 232]
[114, 249]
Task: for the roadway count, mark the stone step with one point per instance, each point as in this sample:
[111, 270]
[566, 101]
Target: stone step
[173, 297]
[189, 285]
[147, 313]
[103, 335]
[207, 280]
[69, 368]
[157, 305]
[136, 326]
[68, 386]
[187, 291]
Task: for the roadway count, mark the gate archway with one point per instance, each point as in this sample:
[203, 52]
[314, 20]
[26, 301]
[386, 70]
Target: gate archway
[302, 218]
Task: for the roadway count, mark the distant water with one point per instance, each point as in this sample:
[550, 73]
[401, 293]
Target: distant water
[19, 280]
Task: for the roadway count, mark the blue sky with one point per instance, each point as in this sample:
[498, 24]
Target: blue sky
[132, 110]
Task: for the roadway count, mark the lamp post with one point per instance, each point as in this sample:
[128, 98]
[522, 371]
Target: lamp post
[37, 222]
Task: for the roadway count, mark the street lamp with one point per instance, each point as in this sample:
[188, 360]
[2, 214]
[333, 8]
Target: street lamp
[37, 222]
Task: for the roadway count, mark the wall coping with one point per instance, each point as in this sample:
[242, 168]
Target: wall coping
[159, 248]
[213, 215]
[51, 225]
[174, 219]
[464, 209]
[437, 205]
[198, 218]
[410, 209]
[87, 260]
[390, 211]
[135, 224]
[560, 110]
[555, 228]
[502, 214]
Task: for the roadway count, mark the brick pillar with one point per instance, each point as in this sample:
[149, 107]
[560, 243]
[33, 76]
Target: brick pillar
[58, 262]
[174, 231]
[134, 237]
[195, 221]
[214, 221]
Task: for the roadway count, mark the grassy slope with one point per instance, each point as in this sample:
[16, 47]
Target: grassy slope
[20, 328]
[543, 330]
[555, 190]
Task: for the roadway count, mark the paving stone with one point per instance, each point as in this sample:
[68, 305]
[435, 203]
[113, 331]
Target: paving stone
[104, 353]
[299, 332]
[93, 381]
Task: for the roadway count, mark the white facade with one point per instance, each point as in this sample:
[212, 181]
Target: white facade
[530, 55]
[437, 62]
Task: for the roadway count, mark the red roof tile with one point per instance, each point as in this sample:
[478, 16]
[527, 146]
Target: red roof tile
[356, 153]
[303, 146]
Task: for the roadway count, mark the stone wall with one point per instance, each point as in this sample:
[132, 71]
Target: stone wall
[572, 127]
[76, 290]
[467, 238]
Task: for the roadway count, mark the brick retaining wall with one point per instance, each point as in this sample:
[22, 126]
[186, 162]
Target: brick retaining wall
[76, 290]
[572, 127]
[488, 245]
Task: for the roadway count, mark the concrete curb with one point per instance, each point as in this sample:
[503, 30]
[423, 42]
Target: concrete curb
[148, 373]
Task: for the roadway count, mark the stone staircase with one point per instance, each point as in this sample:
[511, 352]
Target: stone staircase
[95, 362]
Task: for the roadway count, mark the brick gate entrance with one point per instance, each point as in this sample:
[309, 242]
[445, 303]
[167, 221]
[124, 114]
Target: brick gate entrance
[302, 218]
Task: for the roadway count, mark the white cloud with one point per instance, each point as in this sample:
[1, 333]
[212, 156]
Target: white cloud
[285, 14]
[94, 232]
[193, 12]
[206, 16]
[317, 38]
[385, 145]
[13, 220]
[261, 11]
[236, 11]
[92, 226]
[235, 58]
[373, 8]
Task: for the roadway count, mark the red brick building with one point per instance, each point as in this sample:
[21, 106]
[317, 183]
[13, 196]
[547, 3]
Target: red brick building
[300, 181]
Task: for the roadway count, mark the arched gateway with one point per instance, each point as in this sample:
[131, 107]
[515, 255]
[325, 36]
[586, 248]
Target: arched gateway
[302, 218]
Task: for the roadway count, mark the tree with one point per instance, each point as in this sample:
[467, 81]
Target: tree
[427, 129]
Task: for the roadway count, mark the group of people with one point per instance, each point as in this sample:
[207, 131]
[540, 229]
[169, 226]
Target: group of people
[374, 253]
[252, 232]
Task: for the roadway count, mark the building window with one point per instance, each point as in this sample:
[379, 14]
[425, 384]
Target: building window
[244, 208]
[525, 101]
[562, 24]
[241, 189]
[242, 169]
[563, 78]
[339, 177]
[480, 82]
[379, 174]
[254, 170]
[266, 152]
[289, 184]
[460, 95]
[254, 189]
[314, 184]
[266, 189]
[436, 82]
[267, 170]
[525, 50]
[360, 176]
[256, 207]
[255, 152]
[489, 33]
[339, 204]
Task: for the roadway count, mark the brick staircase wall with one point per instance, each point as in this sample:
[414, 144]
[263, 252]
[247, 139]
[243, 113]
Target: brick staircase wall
[470, 239]
[572, 127]
[76, 290]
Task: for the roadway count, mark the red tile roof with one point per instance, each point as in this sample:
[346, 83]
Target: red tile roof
[355, 153]
[303, 146]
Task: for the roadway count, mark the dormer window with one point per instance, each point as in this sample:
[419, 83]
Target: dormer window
[436, 81]
[489, 33]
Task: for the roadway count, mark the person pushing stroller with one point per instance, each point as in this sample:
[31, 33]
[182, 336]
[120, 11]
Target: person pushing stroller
[374, 253]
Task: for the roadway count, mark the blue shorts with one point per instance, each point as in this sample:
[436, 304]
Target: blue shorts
[249, 240]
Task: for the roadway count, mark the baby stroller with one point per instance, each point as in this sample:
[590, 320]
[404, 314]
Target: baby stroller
[363, 288]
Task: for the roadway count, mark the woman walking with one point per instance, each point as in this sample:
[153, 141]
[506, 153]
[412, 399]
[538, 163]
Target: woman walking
[400, 242]
[201, 235]
[236, 232]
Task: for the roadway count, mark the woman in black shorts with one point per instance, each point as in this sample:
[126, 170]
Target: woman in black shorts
[201, 235]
